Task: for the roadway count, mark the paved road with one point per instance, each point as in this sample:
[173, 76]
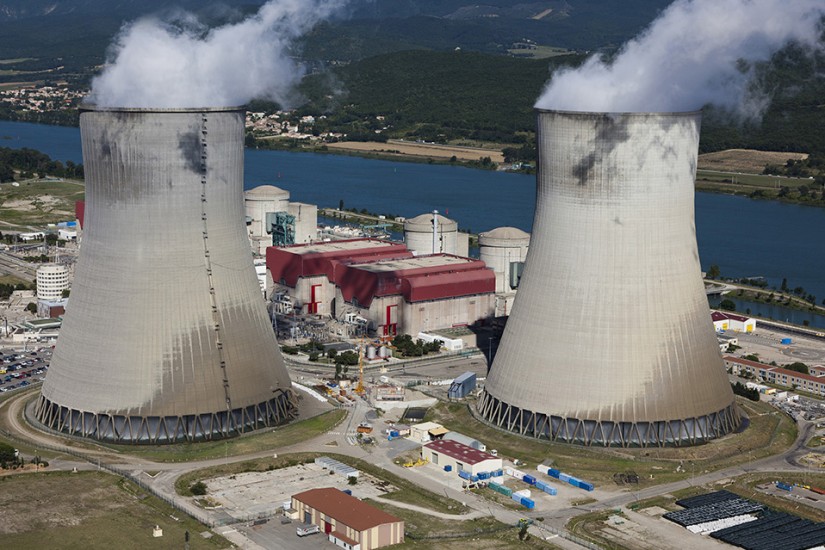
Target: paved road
[164, 482]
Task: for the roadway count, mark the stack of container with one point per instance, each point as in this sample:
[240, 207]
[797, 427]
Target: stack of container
[464, 474]
[498, 488]
[561, 476]
[523, 498]
[542, 486]
[784, 486]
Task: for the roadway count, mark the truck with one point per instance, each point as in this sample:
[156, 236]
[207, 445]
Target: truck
[304, 530]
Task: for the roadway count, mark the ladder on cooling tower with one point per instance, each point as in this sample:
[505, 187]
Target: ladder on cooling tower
[216, 321]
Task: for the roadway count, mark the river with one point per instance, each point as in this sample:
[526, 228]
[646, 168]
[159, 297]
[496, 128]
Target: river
[744, 237]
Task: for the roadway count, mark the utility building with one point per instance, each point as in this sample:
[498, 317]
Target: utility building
[271, 219]
[460, 457]
[347, 521]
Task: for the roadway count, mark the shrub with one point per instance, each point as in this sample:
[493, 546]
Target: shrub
[198, 488]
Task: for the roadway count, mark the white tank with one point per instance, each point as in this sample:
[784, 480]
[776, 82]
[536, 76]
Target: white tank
[371, 352]
[610, 340]
[504, 250]
[167, 338]
[418, 235]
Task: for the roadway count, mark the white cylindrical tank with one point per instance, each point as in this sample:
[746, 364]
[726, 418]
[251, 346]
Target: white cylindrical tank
[384, 352]
[371, 351]
[167, 338]
[52, 280]
[504, 250]
[610, 340]
[418, 235]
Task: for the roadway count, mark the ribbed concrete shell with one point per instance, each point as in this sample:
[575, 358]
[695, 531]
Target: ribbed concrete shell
[610, 340]
[167, 337]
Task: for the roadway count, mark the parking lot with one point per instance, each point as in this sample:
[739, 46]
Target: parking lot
[19, 369]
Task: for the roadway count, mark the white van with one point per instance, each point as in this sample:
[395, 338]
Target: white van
[304, 530]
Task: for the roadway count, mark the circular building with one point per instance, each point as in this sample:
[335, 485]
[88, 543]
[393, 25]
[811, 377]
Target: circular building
[504, 250]
[418, 235]
[52, 280]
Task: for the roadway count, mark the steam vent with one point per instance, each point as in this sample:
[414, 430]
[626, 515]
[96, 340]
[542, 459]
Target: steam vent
[610, 340]
[166, 338]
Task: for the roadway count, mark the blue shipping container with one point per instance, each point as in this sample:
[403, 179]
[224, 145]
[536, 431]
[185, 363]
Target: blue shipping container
[784, 486]
[529, 479]
[448, 468]
[585, 485]
[528, 503]
[516, 497]
[564, 477]
[464, 474]
[473, 478]
[786, 341]
[552, 472]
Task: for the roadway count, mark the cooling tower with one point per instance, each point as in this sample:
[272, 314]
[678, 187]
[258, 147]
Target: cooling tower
[610, 340]
[166, 338]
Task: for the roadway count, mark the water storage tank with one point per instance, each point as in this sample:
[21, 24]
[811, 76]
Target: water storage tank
[504, 250]
[418, 235]
[384, 352]
[612, 287]
[371, 352]
[167, 338]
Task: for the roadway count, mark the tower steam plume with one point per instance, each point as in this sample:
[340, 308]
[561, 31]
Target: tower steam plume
[180, 64]
[697, 52]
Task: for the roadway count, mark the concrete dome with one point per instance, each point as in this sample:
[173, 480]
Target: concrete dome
[504, 237]
[424, 224]
[266, 193]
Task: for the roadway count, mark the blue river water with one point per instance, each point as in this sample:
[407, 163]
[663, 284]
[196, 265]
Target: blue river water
[744, 237]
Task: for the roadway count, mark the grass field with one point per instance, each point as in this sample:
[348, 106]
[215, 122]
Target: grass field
[12, 280]
[426, 150]
[38, 202]
[90, 510]
[769, 433]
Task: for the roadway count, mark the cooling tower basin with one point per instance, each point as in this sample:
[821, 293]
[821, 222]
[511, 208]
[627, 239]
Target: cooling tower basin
[167, 338]
[610, 340]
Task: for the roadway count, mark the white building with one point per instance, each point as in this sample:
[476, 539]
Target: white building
[425, 431]
[731, 321]
[460, 457]
[52, 280]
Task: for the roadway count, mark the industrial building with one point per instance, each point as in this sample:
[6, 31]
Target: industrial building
[432, 233]
[504, 250]
[462, 385]
[465, 440]
[272, 220]
[609, 341]
[427, 431]
[457, 457]
[52, 280]
[812, 383]
[167, 338]
[384, 284]
[731, 321]
[347, 521]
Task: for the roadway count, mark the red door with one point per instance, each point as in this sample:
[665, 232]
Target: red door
[312, 306]
[391, 321]
[327, 528]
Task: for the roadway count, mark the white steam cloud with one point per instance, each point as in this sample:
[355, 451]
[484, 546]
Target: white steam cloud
[695, 53]
[180, 63]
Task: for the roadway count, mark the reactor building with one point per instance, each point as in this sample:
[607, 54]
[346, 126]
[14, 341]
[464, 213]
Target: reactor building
[609, 341]
[166, 338]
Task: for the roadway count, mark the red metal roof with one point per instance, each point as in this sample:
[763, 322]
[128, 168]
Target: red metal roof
[459, 451]
[345, 509]
[721, 316]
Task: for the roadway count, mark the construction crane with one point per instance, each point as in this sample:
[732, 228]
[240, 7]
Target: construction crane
[359, 389]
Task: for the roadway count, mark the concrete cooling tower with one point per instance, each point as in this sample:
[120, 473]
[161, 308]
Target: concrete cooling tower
[166, 338]
[610, 340]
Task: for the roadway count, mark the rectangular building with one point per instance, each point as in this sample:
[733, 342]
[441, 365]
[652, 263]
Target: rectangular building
[348, 522]
[460, 457]
[777, 375]
[731, 321]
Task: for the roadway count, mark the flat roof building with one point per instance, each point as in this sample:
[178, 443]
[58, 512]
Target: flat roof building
[347, 521]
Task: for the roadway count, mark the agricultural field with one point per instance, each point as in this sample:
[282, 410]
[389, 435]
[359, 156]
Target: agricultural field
[38, 202]
[746, 161]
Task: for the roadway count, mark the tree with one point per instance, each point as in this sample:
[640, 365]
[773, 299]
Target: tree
[340, 204]
[727, 305]
[331, 353]
[713, 272]
[31, 307]
[797, 367]
[198, 488]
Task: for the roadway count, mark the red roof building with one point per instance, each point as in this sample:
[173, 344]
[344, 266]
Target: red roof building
[460, 457]
[397, 293]
[731, 321]
[777, 375]
[347, 521]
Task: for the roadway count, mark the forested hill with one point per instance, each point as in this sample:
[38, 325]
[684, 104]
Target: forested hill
[440, 96]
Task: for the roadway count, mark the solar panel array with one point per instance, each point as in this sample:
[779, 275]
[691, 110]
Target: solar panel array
[771, 531]
[774, 531]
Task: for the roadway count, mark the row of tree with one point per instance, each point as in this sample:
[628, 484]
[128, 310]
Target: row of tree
[31, 163]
